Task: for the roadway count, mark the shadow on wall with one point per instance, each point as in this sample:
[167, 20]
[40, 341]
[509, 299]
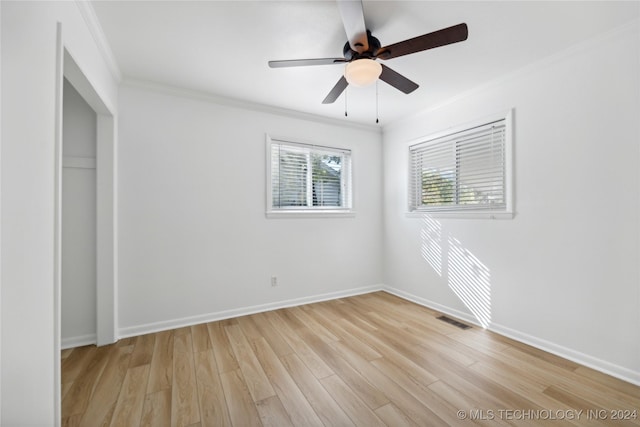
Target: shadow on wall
[465, 274]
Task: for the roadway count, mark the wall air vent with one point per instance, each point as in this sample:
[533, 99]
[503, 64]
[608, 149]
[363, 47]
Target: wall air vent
[454, 322]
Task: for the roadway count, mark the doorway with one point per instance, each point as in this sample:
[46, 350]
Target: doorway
[106, 228]
[78, 235]
[97, 157]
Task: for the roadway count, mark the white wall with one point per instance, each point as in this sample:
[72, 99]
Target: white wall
[194, 240]
[78, 300]
[564, 273]
[29, 357]
[1, 133]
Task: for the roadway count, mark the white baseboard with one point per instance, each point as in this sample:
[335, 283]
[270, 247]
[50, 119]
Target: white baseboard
[575, 356]
[604, 366]
[131, 331]
[78, 341]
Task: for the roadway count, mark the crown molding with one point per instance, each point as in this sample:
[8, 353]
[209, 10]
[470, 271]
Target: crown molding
[242, 104]
[93, 24]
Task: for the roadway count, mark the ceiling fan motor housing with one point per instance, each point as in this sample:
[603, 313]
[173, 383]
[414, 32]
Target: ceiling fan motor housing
[352, 55]
[365, 72]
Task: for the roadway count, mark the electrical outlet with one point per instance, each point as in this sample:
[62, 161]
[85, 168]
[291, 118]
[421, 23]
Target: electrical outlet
[274, 281]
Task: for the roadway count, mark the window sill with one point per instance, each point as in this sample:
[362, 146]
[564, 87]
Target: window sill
[460, 215]
[311, 214]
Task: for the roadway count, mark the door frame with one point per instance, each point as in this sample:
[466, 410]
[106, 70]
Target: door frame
[106, 206]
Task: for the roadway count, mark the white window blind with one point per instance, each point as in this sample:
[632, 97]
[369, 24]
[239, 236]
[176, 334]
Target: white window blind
[308, 177]
[461, 172]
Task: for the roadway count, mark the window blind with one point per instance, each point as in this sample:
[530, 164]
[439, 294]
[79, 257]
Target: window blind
[309, 177]
[463, 171]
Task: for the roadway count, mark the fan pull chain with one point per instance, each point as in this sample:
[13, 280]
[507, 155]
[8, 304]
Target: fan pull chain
[377, 121]
[345, 101]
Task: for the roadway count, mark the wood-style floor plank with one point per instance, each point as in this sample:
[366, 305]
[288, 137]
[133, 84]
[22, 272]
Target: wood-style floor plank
[200, 337]
[156, 410]
[319, 398]
[367, 360]
[249, 327]
[64, 389]
[372, 396]
[143, 350]
[77, 398]
[184, 399]
[213, 406]
[415, 400]
[242, 409]
[315, 326]
[297, 406]
[272, 413]
[314, 362]
[607, 381]
[275, 340]
[256, 380]
[72, 421]
[349, 339]
[105, 396]
[128, 409]
[225, 359]
[161, 369]
[392, 416]
[357, 410]
[76, 362]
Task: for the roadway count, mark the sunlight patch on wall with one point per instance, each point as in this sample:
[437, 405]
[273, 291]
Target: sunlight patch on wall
[431, 249]
[470, 279]
[465, 274]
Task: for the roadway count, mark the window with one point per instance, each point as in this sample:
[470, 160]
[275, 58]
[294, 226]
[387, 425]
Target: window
[305, 178]
[464, 172]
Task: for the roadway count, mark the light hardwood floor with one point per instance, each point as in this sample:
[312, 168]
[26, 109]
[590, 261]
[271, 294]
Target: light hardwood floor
[369, 360]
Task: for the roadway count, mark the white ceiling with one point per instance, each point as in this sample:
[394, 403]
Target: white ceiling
[222, 47]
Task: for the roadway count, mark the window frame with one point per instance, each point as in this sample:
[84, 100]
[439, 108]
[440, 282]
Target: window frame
[306, 211]
[507, 212]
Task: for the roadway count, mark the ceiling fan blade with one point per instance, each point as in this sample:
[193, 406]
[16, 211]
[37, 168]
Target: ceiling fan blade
[336, 91]
[306, 62]
[397, 80]
[443, 37]
[353, 20]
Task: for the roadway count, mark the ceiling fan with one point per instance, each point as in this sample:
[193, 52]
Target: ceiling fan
[362, 50]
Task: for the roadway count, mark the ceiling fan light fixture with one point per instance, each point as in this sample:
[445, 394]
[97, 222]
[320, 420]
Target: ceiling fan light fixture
[362, 72]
